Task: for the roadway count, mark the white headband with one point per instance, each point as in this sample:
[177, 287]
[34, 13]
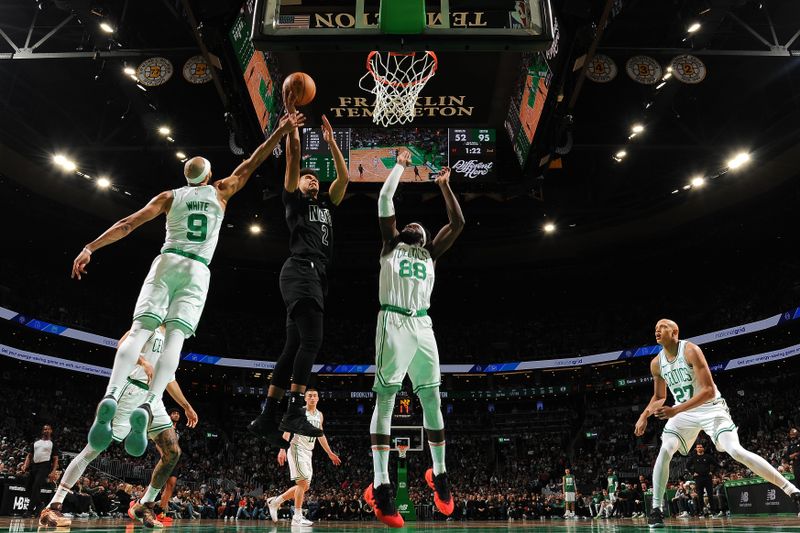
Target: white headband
[203, 174]
[424, 239]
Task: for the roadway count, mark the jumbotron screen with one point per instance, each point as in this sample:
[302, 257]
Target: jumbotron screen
[371, 153]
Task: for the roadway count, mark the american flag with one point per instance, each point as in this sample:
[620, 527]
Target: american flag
[294, 21]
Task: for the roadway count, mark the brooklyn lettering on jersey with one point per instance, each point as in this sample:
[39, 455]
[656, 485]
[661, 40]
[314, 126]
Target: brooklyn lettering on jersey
[319, 214]
[195, 205]
[679, 375]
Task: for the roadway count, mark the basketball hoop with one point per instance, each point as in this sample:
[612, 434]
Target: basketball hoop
[402, 449]
[398, 78]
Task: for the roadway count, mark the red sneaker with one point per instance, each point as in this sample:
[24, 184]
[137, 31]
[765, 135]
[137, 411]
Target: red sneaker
[381, 499]
[441, 492]
[164, 519]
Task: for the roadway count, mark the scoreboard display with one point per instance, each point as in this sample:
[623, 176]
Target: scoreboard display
[317, 155]
[371, 153]
[472, 152]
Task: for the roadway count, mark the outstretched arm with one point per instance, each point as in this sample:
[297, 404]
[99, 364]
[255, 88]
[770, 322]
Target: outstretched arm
[292, 176]
[386, 218]
[175, 391]
[122, 228]
[339, 185]
[448, 234]
[323, 441]
[238, 179]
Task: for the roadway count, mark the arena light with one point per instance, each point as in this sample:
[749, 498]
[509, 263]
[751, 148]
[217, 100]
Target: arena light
[687, 187]
[140, 86]
[549, 227]
[104, 183]
[65, 163]
[667, 76]
[130, 71]
[163, 130]
[697, 182]
[106, 27]
[255, 229]
[59, 160]
[676, 191]
[621, 154]
[180, 155]
[738, 160]
[693, 28]
[660, 85]
[637, 128]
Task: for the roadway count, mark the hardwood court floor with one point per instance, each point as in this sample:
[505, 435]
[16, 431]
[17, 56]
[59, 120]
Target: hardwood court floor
[733, 525]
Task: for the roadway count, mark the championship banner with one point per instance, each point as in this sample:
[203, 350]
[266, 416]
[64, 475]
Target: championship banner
[154, 71]
[643, 69]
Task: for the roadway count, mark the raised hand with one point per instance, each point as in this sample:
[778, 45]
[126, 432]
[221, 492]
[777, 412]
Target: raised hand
[404, 158]
[289, 99]
[327, 130]
[291, 121]
[444, 177]
[191, 416]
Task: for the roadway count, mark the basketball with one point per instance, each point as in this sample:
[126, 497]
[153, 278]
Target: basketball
[302, 85]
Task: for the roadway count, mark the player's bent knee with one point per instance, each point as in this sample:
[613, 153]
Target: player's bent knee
[303, 484]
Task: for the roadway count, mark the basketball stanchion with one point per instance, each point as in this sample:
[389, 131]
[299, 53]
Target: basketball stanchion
[403, 501]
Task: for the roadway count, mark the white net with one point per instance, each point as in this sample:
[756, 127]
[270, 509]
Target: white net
[397, 79]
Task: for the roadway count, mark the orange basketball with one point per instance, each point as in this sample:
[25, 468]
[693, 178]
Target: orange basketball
[302, 85]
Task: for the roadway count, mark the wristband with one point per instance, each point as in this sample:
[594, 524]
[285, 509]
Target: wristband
[88, 251]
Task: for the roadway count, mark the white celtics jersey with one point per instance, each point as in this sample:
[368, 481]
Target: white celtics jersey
[406, 278]
[680, 377]
[150, 353]
[193, 222]
[315, 419]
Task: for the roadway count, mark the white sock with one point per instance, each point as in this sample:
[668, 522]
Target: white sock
[74, 472]
[125, 359]
[669, 445]
[380, 464]
[437, 454]
[167, 364]
[150, 494]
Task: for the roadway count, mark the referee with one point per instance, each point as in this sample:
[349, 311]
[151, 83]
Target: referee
[701, 466]
[303, 283]
[40, 463]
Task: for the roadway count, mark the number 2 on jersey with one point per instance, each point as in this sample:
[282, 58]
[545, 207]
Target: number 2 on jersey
[325, 235]
[198, 227]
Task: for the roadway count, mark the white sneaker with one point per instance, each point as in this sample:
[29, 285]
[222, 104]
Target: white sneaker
[684, 514]
[300, 520]
[273, 506]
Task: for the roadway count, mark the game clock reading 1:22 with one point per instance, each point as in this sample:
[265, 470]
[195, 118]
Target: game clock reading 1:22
[472, 152]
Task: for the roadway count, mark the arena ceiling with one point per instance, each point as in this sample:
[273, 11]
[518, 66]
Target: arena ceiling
[70, 95]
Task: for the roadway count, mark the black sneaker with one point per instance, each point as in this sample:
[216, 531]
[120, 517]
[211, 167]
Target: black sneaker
[295, 421]
[656, 518]
[441, 491]
[266, 423]
[796, 498]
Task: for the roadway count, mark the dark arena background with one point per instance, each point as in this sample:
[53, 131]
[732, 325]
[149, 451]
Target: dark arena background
[616, 161]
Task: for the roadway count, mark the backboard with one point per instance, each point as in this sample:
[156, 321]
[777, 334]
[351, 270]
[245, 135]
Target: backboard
[328, 26]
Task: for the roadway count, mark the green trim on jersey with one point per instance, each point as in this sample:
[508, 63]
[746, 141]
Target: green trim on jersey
[404, 311]
[137, 383]
[150, 315]
[186, 254]
[182, 322]
[732, 427]
[380, 351]
[683, 442]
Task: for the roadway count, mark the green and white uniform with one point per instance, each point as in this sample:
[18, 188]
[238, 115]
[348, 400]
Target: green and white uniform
[713, 416]
[569, 488]
[301, 450]
[134, 394]
[613, 483]
[404, 342]
[176, 287]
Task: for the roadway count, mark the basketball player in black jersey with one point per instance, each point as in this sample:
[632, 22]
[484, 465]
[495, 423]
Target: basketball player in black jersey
[303, 283]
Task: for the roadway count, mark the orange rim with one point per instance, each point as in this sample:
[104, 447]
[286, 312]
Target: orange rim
[384, 81]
